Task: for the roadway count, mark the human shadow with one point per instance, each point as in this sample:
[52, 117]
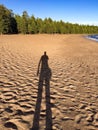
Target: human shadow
[45, 74]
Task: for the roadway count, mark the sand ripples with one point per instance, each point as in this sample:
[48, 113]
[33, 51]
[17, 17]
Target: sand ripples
[73, 93]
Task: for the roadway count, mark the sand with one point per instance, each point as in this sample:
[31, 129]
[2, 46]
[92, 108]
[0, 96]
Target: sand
[69, 102]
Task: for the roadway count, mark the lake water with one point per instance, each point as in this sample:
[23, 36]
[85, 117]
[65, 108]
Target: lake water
[93, 37]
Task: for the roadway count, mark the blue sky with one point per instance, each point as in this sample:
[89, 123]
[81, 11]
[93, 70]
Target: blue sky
[74, 11]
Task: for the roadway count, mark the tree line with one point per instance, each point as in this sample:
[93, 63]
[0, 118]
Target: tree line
[11, 23]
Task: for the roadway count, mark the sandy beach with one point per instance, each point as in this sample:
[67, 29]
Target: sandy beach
[68, 102]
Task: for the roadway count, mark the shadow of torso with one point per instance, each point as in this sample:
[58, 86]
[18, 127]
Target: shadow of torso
[45, 71]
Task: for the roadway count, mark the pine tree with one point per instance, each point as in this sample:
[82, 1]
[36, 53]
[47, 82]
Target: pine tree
[7, 21]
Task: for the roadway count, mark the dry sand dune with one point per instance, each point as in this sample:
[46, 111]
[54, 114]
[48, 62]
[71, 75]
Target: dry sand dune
[70, 102]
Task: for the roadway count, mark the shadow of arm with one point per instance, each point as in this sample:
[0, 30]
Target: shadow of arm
[38, 67]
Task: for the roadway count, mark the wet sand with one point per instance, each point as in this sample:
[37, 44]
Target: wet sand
[69, 102]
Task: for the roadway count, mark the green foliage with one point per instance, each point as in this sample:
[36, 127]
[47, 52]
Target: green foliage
[10, 23]
[7, 22]
[19, 23]
[24, 25]
[32, 25]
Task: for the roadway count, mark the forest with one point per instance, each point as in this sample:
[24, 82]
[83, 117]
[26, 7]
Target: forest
[11, 23]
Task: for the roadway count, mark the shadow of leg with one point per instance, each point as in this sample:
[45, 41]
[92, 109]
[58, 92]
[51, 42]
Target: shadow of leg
[48, 106]
[38, 107]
